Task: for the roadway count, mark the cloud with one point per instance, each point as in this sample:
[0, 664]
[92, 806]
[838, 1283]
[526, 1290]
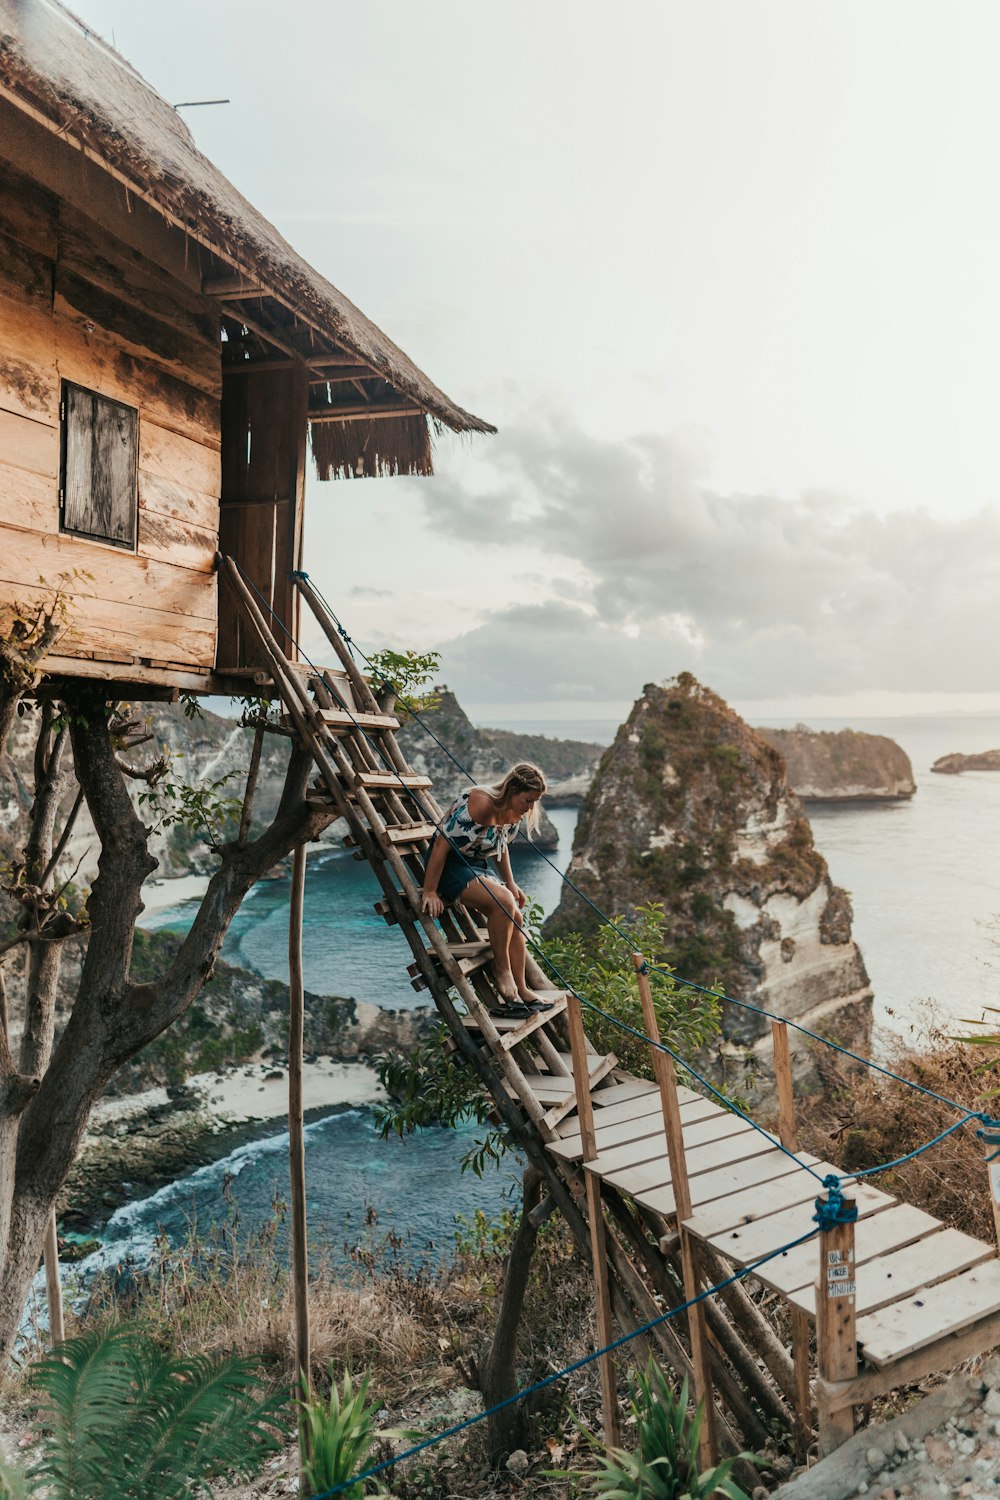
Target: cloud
[652, 571]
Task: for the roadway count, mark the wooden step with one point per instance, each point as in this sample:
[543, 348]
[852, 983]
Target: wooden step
[400, 834]
[515, 1029]
[392, 781]
[338, 720]
[470, 957]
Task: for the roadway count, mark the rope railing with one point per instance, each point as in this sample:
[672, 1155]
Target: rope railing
[986, 1120]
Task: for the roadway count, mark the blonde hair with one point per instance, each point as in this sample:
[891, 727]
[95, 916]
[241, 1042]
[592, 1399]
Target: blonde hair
[524, 777]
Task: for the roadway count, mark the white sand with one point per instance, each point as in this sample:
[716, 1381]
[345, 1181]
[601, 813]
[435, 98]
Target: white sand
[247, 1093]
[243, 1094]
[159, 894]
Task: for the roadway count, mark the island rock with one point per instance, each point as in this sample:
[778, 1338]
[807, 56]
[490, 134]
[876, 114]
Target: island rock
[842, 765]
[954, 764]
[691, 808]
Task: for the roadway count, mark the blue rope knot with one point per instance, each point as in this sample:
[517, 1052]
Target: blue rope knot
[299, 573]
[832, 1209]
[989, 1134]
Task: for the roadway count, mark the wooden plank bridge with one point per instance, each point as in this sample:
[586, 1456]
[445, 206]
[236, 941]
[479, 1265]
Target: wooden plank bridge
[665, 1190]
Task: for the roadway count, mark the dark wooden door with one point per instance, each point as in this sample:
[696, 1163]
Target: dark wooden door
[263, 482]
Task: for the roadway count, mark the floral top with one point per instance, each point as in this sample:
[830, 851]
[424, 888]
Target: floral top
[470, 837]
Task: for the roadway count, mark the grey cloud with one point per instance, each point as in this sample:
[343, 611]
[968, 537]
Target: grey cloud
[760, 595]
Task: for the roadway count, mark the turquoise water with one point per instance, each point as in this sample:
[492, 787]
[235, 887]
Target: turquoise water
[347, 948]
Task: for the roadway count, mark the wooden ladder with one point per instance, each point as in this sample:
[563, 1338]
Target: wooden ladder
[391, 815]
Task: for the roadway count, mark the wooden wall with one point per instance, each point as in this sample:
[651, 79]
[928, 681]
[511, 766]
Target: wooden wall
[78, 304]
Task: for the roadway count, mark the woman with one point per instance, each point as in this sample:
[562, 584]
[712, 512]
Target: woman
[478, 826]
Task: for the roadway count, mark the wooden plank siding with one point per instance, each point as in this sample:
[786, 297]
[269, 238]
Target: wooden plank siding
[79, 305]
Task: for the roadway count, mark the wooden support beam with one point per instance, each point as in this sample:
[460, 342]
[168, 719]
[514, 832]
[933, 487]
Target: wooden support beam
[232, 286]
[362, 411]
[788, 1135]
[53, 1285]
[663, 1069]
[836, 1332]
[346, 372]
[595, 1215]
[258, 366]
[296, 1142]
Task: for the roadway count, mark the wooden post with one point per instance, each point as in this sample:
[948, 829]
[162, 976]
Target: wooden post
[991, 1141]
[53, 1286]
[836, 1334]
[663, 1069]
[296, 1142]
[789, 1138]
[595, 1214]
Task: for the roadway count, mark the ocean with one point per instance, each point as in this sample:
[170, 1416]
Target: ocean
[924, 879]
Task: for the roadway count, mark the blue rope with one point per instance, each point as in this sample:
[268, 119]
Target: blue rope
[646, 968]
[578, 1364]
[832, 1209]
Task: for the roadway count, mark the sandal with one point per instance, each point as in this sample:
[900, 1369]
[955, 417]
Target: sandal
[511, 1010]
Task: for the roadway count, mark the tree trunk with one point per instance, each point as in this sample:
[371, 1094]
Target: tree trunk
[43, 1115]
[508, 1429]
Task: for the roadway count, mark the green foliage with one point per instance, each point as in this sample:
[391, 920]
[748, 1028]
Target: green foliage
[120, 1418]
[337, 1438]
[12, 1483]
[200, 809]
[600, 968]
[428, 1086]
[665, 1463]
[403, 671]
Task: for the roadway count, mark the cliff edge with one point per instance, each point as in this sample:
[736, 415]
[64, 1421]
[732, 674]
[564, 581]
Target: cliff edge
[842, 765]
[692, 808]
[954, 764]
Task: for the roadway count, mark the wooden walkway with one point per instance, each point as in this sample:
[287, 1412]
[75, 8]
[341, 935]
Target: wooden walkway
[912, 1296]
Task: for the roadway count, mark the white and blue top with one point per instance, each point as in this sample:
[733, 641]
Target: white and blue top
[480, 840]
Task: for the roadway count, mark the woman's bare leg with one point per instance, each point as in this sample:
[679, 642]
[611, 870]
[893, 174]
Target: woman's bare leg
[518, 955]
[499, 908]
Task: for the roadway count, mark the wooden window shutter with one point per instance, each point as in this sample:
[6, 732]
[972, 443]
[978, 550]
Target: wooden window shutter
[100, 464]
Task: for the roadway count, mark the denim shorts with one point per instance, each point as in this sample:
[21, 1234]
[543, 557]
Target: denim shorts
[459, 871]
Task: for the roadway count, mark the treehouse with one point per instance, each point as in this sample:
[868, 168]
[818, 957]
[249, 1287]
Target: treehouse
[166, 359]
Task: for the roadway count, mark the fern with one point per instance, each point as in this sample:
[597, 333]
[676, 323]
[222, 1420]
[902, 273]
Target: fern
[119, 1418]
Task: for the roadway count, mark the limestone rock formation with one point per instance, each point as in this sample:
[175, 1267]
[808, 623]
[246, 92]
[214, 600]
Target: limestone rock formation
[691, 807]
[954, 764]
[842, 765]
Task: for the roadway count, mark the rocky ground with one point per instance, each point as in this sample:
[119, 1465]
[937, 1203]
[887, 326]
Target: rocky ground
[946, 1446]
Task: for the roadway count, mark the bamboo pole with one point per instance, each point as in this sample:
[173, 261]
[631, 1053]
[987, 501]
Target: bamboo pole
[836, 1333]
[789, 1138]
[663, 1069]
[53, 1286]
[991, 1143]
[296, 1142]
[595, 1215]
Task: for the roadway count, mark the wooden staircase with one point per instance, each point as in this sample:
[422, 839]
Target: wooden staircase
[663, 1189]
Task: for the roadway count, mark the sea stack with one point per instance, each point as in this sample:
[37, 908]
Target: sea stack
[691, 808]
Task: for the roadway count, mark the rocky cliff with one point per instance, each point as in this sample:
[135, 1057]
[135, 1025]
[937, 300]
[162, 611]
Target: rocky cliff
[842, 765]
[487, 753]
[954, 764]
[691, 807]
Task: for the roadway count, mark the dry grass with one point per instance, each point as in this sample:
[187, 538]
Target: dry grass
[862, 1119]
[417, 1334]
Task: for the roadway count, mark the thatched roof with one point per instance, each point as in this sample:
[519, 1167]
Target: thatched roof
[51, 64]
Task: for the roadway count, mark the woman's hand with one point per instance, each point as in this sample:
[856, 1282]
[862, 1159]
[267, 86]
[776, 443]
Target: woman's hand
[431, 903]
[519, 896]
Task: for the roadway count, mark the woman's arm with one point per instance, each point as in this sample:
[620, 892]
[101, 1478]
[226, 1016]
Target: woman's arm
[430, 900]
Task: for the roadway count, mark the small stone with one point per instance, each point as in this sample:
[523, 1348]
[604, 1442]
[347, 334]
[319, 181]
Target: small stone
[889, 1493]
[967, 1445]
[863, 1488]
[517, 1463]
[937, 1450]
[991, 1405]
[902, 1442]
[874, 1458]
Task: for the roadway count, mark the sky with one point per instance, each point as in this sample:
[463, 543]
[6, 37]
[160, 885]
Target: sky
[724, 273]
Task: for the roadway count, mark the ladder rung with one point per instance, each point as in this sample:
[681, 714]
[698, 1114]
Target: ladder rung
[338, 719]
[470, 957]
[401, 834]
[391, 781]
[385, 910]
[514, 1030]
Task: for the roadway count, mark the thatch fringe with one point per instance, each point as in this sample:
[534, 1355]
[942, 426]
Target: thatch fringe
[361, 449]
